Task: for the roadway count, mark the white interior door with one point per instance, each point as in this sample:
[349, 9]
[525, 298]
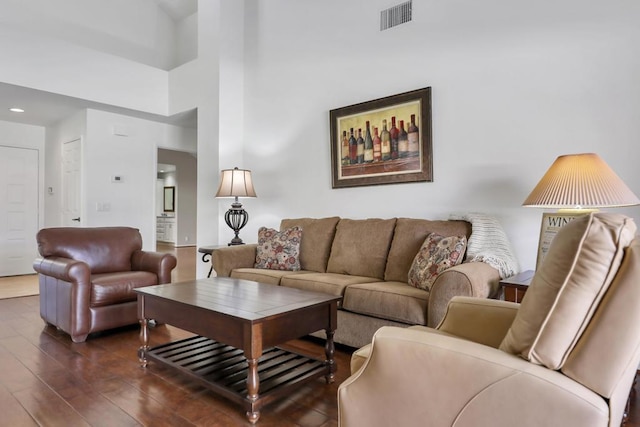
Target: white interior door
[19, 210]
[71, 181]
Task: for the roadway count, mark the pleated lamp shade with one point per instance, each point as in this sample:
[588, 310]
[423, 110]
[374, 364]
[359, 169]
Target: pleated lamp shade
[580, 181]
[236, 183]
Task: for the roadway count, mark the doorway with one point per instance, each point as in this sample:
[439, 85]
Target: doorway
[18, 210]
[71, 183]
[177, 170]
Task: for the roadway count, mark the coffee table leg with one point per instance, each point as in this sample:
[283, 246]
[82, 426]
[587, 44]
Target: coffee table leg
[144, 342]
[253, 383]
[329, 351]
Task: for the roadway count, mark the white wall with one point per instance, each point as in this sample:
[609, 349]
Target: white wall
[206, 89]
[133, 157]
[81, 73]
[514, 84]
[187, 39]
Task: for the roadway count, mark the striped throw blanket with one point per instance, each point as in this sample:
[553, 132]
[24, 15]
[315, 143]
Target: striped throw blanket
[489, 244]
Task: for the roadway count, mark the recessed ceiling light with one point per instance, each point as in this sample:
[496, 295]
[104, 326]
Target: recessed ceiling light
[16, 110]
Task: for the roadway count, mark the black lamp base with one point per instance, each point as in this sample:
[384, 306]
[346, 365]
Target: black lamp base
[236, 218]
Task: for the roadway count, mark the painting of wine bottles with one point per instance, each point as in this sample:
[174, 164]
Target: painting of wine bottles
[384, 141]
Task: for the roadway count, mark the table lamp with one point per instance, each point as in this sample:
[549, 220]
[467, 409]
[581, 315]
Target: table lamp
[236, 183]
[577, 184]
[580, 181]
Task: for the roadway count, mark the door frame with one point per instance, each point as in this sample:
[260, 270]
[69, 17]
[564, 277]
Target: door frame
[81, 190]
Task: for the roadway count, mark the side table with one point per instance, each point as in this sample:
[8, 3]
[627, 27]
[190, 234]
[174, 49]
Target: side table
[514, 287]
[206, 254]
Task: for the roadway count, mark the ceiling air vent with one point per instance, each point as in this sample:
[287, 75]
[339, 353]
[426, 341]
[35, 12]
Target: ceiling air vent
[395, 15]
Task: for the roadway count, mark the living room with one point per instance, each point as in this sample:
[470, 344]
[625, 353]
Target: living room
[514, 85]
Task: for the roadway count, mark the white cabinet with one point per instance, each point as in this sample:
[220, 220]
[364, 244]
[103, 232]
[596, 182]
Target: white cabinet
[166, 229]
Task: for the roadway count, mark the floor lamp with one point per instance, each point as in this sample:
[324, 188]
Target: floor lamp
[576, 184]
[236, 183]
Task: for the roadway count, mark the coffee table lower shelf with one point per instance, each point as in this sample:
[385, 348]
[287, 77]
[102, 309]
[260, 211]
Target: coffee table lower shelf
[223, 368]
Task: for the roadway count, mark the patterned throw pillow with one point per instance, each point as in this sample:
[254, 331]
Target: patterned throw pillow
[278, 250]
[436, 255]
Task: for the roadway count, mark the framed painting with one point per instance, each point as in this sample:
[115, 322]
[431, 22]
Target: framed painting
[384, 141]
[169, 199]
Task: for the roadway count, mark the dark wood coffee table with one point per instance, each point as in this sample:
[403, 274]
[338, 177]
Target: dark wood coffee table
[239, 324]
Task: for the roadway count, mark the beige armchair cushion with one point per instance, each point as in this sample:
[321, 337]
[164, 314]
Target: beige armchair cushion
[602, 355]
[361, 246]
[566, 289]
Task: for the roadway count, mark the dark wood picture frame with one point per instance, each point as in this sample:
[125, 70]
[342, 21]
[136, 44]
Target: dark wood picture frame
[169, 199]
[408, 165]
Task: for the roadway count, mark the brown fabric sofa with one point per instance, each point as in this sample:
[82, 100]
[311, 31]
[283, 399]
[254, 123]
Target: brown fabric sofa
[367, 261]
[87, 277]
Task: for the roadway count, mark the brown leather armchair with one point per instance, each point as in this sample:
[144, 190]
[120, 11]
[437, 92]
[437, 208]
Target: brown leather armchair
[87, 277]
[566, 356]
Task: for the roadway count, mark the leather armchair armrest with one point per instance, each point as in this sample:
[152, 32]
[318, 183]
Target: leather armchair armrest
[227, 258]
[481, 320]
[428, 379]
[472, 279]
[66, 269]
[154, 262]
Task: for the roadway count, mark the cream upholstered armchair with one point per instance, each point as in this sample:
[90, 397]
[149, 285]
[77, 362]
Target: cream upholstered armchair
[566, 356]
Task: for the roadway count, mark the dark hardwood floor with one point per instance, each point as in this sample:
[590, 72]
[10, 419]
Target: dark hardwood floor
[47, 380]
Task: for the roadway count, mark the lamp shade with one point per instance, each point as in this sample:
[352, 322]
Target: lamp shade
[236, 183]
[579, 181]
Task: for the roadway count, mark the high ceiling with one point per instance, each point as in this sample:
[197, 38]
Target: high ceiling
[178, 9]
[45, 108]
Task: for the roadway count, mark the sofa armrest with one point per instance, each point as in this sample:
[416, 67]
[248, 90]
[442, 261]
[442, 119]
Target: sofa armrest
[225, 259]
[472, 279]
[427, 379]
[65, 269]
[481, 320]
[161, 264]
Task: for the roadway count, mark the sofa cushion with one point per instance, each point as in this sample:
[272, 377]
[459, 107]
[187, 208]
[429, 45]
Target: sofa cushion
[408, 237]
[317, 236]
[388, 300]
[278, 250]
[262, 275]
[328, 283]
[437, 254]
[567, 287]
[114, 288]
[361, 246]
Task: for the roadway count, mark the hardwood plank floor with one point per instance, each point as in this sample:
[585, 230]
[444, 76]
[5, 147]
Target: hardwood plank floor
[47, 380]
